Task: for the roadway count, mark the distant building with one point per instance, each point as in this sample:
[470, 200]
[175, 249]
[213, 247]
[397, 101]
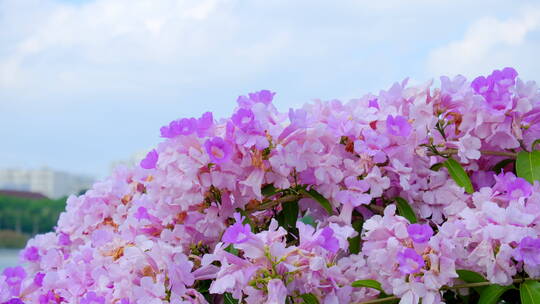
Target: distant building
[51, 183]
[23, 194]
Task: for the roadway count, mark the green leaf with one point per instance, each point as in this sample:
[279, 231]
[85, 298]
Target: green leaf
[459, 175]
[354, 242]
[405, 210]
[231, 249]
[492, 293]
[269, 190]
[319, 198]
[367, 283]
[308, 220]
[309, 298]
[472, 277]
[529, 292]
[500, 165]
[436, 167]
[528, 165]
[228, 299]
[289, 215]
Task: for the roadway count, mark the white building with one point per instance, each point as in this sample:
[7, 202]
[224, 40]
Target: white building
[51, 183]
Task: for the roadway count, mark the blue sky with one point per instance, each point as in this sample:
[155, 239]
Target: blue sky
[85, 83]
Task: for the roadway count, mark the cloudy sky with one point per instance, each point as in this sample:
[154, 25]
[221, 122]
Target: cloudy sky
[85, 83]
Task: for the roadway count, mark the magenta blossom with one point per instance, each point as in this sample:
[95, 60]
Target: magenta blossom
[31, 254]
[398, 126]
[420, 233]
[218, 149]
[237, 233]
[14, 275]
[150, 161]
[14, 301]
[92, 298]
[205, 124]
[244, 119]
[410, 261]
[528, 251]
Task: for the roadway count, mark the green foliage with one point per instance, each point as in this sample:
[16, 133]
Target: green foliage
[29, 216]
[492, 293]
[12, 239]
[309, 298]
[228, 299]
[405, 210]
[459, 175]
[502, 164]
[289, 215]
[529, 292]
[308, 220]
[354, 243]
[320, 199]
[528, 165]
[269, 190]
[367, 283]
[472, 277]
[436, 167]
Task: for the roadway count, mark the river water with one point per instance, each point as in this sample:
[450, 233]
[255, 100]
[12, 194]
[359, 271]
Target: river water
[8, 258]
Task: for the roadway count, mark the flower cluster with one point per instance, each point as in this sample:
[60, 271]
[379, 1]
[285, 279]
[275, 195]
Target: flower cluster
[388, 195]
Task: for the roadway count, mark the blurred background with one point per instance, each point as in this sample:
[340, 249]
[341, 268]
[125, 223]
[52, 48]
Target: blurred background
[85, 85]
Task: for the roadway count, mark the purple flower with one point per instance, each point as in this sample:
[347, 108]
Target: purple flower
[205, 124]
[14, 301]
[244, 119]
[495, 88]
[520, 187]
[263, 96]
[398, 126]
[14, 275]
[237, 233]
[514, 187]
[38, 279]
[373, 103]
[184, 126]
[101, 237]
[409, 261]
[528, 251]
[150, 161]
[218, 149]
[92, 298]
[420, 233]
[31, 254]
[329, 242]
[142, 213]
[64, 239]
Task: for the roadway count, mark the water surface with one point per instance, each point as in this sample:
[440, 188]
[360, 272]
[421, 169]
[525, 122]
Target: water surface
[8, 258]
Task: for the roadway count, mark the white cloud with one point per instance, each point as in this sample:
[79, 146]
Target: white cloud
[490, 43]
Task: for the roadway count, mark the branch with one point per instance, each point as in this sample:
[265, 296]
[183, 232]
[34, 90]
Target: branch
[459, 286]
[380, 300]
[484, 152]
[281, 200]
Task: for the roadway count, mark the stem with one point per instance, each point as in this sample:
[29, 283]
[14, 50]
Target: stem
[484, 152]
[480, 284]
[380, 300]
[284, 199]
[459, 286]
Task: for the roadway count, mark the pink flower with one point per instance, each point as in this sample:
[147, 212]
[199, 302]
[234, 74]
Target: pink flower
[398, 126]
[218, 150]
[277, 292]
[150, 161]
[409, 261]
